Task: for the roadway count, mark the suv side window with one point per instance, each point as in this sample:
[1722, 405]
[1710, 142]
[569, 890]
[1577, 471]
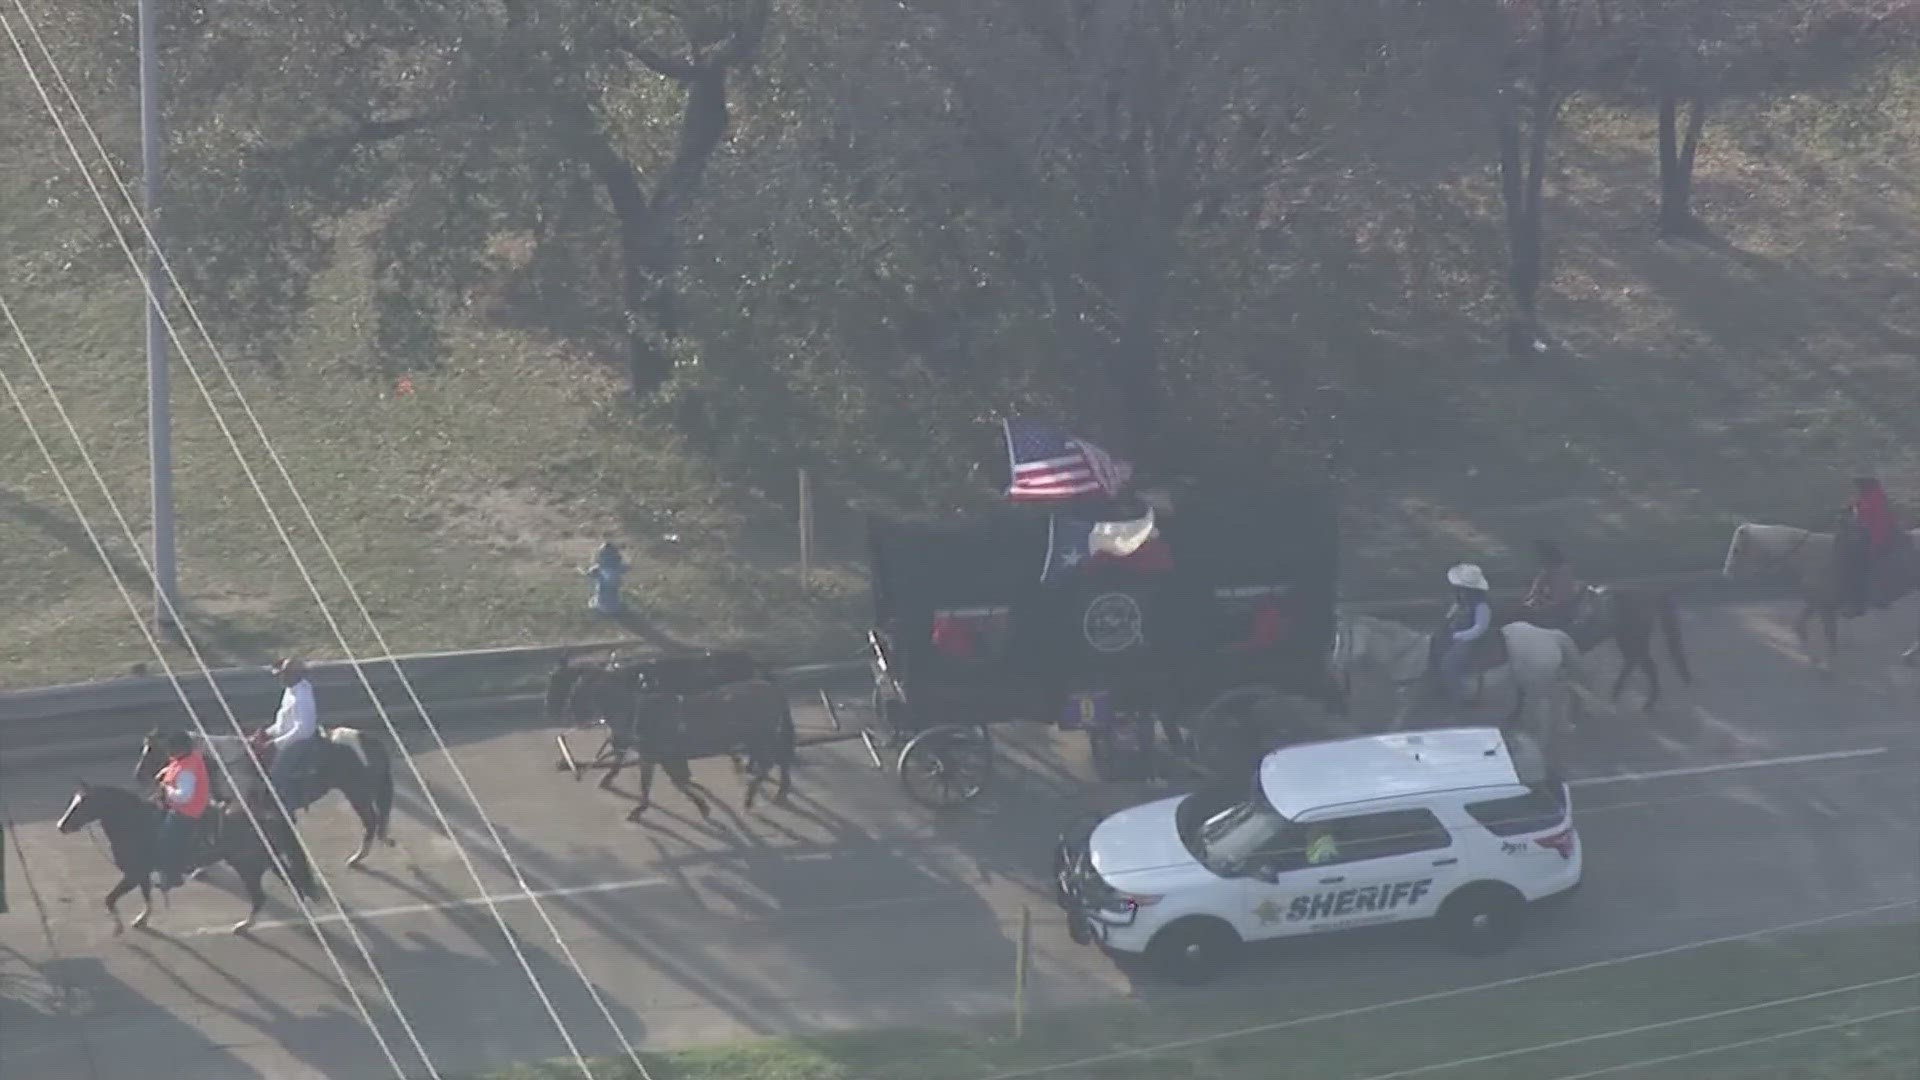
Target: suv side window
[1379, 836]
[1543, 807]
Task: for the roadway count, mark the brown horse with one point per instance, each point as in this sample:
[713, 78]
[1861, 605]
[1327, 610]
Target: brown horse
[1631, 616]
[1806, 560]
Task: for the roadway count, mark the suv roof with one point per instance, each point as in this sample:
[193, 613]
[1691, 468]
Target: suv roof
[1300, 779]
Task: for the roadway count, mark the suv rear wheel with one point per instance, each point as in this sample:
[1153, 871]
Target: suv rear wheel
[1480, 920]
[1192, 951]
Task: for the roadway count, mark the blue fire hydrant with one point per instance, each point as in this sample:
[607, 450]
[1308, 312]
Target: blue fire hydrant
[606, 573]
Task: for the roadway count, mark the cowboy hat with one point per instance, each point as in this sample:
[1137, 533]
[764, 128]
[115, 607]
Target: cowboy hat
[1467, 576]
[289, 665]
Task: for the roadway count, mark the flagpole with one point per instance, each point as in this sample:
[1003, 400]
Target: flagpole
[1013, 462]
[1047, 566]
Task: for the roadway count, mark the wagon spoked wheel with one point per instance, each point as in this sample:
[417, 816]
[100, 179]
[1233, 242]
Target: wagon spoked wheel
[947, 766]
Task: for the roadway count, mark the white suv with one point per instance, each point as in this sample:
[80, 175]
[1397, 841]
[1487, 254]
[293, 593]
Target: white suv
[1462, 825]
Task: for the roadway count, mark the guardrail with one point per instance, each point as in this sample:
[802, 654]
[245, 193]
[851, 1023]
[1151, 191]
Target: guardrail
[109, 707]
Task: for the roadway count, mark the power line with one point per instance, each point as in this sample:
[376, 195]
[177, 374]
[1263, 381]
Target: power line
[213, 350]
[1667, 1059]
[193, 714]
[1641, 1029]
[1444, 995]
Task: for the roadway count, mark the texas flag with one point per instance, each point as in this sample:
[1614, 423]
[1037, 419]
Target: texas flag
[1074, 542]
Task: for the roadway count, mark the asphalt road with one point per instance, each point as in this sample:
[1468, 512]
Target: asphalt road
[853, 907]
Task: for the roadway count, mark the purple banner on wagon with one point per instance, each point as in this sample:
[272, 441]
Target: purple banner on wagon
[1086, 710]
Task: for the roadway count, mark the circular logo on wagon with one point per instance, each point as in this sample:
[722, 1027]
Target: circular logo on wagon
[1113, 623]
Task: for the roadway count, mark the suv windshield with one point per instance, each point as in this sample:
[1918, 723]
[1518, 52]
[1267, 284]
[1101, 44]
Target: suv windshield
[1232, 836]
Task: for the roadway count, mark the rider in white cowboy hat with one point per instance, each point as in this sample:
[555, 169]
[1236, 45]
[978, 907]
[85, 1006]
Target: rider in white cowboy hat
[293, 730]
[1468, 620]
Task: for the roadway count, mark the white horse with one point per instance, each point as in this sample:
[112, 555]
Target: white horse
[1805, 559]
[1539, 661]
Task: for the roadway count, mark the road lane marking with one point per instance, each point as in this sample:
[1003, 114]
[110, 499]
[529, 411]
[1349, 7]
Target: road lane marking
[1726, 767]
[442, 905]
[1442, 995]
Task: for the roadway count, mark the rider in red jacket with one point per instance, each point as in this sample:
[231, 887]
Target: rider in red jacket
[1870, 532]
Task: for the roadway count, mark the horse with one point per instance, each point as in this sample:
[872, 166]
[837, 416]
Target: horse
[749, 720]
[1806, 558]
[353, 762]
[1538, 659]
[132, 825]
[1630, 616]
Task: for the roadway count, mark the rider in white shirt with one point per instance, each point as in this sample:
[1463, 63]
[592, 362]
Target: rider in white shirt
[293, 729]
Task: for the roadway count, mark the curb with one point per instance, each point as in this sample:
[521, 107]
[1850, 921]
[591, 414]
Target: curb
[440, 678]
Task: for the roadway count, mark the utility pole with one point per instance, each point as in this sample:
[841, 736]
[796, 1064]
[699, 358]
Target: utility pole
[159, 396]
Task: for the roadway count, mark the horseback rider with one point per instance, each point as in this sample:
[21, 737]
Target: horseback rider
[293, 730]
[1555, 593]
[1467, 622]
[1868, 532]
[183, 794]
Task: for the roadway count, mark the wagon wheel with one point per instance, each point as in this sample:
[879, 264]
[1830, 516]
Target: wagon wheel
[947, 766]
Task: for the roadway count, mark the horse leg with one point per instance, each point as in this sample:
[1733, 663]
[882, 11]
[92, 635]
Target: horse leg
[619, 764]
[646, 790]
[1830, 623]
[125, 886]
[363, 805]
[757, 778]
[1628, 662]
[1519, 706]
[1404, 705]
[251, 871]
[785, 765]
[692, 791]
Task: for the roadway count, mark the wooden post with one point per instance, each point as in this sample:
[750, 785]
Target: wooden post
[1022, 951]
[806, 530]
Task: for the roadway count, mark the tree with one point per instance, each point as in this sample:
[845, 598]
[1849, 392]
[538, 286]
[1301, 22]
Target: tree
[1685, 56]
[1102, 135]
[1535, 77]
[557, 143]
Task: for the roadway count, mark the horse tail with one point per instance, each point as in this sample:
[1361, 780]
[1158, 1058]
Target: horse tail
[1670, 629]
[286, 844]
[561, 683]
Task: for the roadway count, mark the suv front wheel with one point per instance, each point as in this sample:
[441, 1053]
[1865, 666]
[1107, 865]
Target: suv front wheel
[1192, 951]
[1480, 920]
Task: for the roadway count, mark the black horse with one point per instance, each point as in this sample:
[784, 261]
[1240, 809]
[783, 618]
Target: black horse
[747, 720]
[132, 825]
[353, 762]
[1631, 616]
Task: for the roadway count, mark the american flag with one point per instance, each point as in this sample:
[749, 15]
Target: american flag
[1048, 465]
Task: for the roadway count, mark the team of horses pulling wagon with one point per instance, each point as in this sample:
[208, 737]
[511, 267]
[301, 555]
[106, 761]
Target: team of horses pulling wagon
[1198, 643]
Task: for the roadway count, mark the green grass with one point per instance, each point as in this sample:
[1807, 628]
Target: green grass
[1698, 386]
[1556, 1026]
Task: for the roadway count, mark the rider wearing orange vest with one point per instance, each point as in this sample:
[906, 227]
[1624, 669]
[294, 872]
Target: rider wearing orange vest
[183, 791]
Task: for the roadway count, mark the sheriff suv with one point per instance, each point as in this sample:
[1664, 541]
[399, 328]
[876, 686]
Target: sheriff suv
[1463, 826]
